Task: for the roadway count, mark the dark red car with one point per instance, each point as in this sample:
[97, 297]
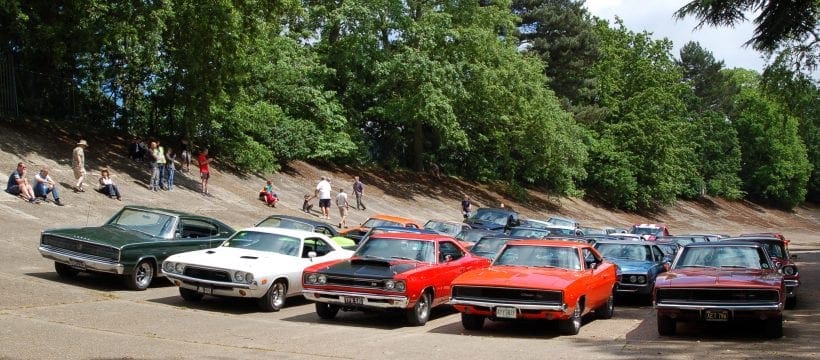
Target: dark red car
[778, 249]
[719, 282]
[399, 271]
[650, 231]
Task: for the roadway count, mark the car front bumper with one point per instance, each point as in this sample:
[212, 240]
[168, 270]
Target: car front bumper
[81, 261]
[217, 288]
[791, 287]
[357, 299]
[687, 311]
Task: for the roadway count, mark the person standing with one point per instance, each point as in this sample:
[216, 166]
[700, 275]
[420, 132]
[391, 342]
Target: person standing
[358, 190]
[159, 154]
[186, 155]
[78, 164]
[155, 170]
[170, 167]
[466, 206]
[323, 193]
[18, 184]
[343, 205]
[204, 171]
[44, 184]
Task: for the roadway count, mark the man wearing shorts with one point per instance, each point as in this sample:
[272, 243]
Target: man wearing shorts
[78, 164]
[323, 193]
[204, 172]
[341, 202]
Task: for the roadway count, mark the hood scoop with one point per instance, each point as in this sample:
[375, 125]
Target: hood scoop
[363, 261]
[210, 252]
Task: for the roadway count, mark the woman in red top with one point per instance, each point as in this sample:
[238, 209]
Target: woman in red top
[204, 173]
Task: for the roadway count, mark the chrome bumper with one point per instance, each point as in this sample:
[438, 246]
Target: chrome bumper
[188, 279]
[368, 300]
[730, 307]
[791, 286]
[487, 304]
[82, 261]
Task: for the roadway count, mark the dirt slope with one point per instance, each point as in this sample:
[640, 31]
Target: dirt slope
[409, 194]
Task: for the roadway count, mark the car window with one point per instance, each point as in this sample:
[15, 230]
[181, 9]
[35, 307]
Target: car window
[196, 228]
[448, 248]
[263, 241]
[320, 246]
[657, 252]
[323, 230]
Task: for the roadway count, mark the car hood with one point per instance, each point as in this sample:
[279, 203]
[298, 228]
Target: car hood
[482, 224]
[103, 235]
[519, 277]
[632, 266]
[239, 259]
[713, 277]
[355, 233]
[372, 268]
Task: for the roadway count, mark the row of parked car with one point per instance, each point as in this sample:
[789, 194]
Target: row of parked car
[523, 269]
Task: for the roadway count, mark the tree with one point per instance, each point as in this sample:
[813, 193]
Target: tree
[789, 26]
[712, 88]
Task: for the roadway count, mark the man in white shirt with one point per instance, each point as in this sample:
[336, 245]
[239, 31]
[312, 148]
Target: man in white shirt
[44, 184]
[323, 193]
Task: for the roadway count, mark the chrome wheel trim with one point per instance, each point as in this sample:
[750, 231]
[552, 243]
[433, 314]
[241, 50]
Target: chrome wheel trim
[423, 307]
[576, 317]
[144, 274]
[277, 294]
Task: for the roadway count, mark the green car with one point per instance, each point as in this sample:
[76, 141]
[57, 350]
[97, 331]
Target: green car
[132, 243]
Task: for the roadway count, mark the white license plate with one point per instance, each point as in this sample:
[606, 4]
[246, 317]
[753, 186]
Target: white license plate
[506, 312]
[77, 264]
[205, 290]
[353, 300]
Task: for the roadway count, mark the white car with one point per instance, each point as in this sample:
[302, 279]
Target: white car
[261, 263]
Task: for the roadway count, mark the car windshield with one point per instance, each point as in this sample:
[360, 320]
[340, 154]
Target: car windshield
[497, 217]
[472, 235]
[625, 251]
[668, 249]
[562, 231]
[535, 224]
[561, 222]
[488, 246]
[529, 232]
[262, 241]
[540, 256]
[646, 230]
[443, 227]
[593, 231]
[372, 222]
[420, 250]
[146, 222]
[775, 249]
[747, 257]
[276, 222]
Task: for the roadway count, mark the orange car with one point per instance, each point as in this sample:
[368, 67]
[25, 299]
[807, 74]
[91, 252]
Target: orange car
[379, 220]
[537, 279]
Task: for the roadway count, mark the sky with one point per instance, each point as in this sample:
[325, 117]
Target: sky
[655, 16]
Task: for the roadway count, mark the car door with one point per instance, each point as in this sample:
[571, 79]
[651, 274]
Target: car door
[599, 280]
[451, 263]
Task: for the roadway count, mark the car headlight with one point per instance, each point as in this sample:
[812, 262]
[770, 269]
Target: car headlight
[180, 268]
[239, 276]
[389, 285]
[321, 279]
[633, 279]
[248, 278]
[394, 285]
[310, 278]
[400, 286]
[641, 279]
[789, 270]
[168, 266]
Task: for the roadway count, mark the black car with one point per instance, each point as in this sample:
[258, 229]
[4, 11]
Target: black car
[498, 219]
[473, 235]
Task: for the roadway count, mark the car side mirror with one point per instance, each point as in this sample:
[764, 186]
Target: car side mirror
[667, 266]
[311, 255]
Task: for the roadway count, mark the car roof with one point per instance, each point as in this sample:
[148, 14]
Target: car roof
[393, 218]
[412, 236]
[723, 243]
[403, 229]
[299, 219]
[286, 232]
[753, 239]
[452, 222]
[647, 225]
[621, 242]
[548, 242]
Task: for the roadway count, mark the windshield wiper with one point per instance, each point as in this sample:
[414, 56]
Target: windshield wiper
[403, 258]
[735, 267]
[548, 266]
[699, 266]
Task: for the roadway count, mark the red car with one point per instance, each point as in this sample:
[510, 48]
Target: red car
[538, 279]
[719, 282]
[400, 271]
[778, 249]
[650, 231]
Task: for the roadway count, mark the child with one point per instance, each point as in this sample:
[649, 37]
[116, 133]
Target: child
[268, 195]
[307, 206]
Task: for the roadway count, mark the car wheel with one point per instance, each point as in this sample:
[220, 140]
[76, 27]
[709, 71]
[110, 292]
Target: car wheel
[326, 311]
[65, 271]
[274, 299]
[666, 325]
[190, 295]
[608, 309]
[791, 302]
[472, 322]
[572, 325]
[773, 328]
[419, 314]
[142, 276]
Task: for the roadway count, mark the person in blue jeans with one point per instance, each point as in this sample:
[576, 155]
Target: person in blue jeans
[170, 167]
[107, 185]
[44, 185]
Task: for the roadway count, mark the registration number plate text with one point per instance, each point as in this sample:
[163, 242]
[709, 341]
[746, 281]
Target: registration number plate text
[716, 315]
[353, 300]
[506, 312]
[205, 290]
[77, 264]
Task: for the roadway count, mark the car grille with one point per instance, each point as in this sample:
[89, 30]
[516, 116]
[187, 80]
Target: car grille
[742, 296]
[355, 282]
[523, 296]
[207, 274]
[80, 247]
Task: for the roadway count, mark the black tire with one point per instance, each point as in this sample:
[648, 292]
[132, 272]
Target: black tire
[190, 295]
[326, 311]
[773, 328]
[572, 326]
[65, 271]
[140, 279]
[791, 302]
[667, 326]
[274, 299]
[472, 322]
[420, 313]
[608, 309]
